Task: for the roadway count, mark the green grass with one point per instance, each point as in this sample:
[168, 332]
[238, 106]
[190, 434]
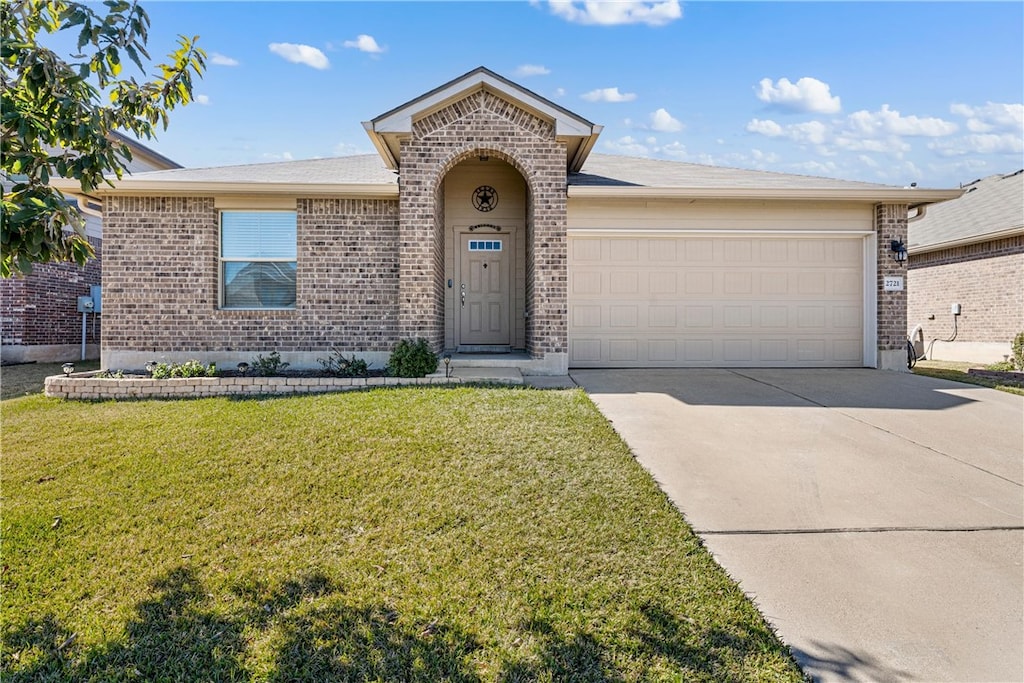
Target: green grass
[27, 378]
[957, 372]
[459, 534]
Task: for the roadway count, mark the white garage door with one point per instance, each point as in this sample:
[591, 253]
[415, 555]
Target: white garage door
[680, 301]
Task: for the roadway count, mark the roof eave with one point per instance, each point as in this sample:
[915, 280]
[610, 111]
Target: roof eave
[914, 249]
[193, 188]
[914, 197]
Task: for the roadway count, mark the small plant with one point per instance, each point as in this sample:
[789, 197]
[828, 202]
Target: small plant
[190, 368]
[1001, 366]
[337, 364]
[412, 358]
[1018, 351]
[109, 374]
[266, 366]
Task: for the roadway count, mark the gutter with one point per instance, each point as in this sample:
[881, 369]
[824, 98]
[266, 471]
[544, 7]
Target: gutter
[912, 197]
[197, 188]
[913, 250]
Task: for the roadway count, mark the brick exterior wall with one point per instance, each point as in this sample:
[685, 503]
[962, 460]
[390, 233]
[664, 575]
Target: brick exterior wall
[890, 224]
[42, 308]
[482, 123]
[986, 279]
[161, 280]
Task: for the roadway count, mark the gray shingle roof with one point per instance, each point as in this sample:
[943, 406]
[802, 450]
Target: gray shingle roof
[604, 170]
[991, 205]
[363, 169]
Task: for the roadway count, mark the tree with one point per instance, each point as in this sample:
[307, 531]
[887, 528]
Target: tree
[58, 115]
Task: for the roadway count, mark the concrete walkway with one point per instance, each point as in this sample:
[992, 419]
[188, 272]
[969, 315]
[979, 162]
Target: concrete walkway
[876, 518]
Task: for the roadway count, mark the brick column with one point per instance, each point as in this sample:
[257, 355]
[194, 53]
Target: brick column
[891, 224]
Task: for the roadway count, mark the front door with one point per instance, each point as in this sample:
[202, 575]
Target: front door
[483, 294]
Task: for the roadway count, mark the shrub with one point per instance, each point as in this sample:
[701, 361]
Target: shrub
[1001, 366]
[1018, 351]
[267, 366]
[190, 368]
[412, 358]
[337, 364]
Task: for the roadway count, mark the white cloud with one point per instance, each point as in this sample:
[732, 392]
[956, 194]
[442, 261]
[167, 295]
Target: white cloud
[559, 92]
[301, 54]
[807, 94]
[615, 12]
[664, 122]
[628, 145]
[891, 144]
[767, 128]
[608, 95]
[364, 43]
[983, 143]
[888, 121]
[202, 99]
[994, 116]
[222, 60]
[526, 70]
[283, 156]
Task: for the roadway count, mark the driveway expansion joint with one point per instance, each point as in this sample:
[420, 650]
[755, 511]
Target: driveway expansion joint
[852, 530]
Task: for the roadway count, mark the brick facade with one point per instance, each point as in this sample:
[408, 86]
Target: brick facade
[986, 279]
[161, 280]
[41, 308]
[483, 124]
[891, 312]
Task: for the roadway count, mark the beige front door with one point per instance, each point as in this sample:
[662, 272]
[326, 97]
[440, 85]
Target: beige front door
[483, 290]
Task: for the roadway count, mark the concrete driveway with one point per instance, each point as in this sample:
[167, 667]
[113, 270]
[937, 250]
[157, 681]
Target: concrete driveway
[876, 518]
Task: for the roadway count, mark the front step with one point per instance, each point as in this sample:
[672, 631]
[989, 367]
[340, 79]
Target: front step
[496, 375]
[484, 348]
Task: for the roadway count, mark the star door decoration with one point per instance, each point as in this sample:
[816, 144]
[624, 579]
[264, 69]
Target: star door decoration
[485, 198]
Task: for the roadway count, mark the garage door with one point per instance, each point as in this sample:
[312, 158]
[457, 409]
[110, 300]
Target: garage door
[680, 301]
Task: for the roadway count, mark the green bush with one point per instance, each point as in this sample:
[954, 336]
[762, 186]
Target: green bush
[190, 368]
[268, 366]
[1001, 366]
[412, 358]
[1018, 351]
[337, 364]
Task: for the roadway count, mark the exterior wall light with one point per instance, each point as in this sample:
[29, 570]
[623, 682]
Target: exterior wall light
[67, 369]
[899, 251]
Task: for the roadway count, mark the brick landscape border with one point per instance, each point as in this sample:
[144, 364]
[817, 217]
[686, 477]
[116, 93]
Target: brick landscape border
[87, 386]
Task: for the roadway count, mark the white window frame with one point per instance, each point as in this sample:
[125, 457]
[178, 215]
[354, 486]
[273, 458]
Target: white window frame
[221, 260]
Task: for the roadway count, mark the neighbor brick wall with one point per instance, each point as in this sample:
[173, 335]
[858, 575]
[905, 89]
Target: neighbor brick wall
[42, 308]
[482, 123]
[986, 279]
[161, 279]
[891, 224]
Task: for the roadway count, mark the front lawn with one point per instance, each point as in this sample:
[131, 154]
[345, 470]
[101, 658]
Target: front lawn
[457, 534]
[957, 372]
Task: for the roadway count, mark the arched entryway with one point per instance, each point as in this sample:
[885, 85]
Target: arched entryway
[485, 209]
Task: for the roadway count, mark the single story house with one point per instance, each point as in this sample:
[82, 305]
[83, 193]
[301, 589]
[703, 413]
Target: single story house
[39, 316]
[485, 223]
[968, 255]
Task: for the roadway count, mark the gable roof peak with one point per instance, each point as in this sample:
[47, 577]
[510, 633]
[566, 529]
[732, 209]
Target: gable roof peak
[389, 128]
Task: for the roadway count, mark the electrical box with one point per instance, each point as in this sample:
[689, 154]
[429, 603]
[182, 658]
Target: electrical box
[97, 298]
[85, 304]
[955, 309]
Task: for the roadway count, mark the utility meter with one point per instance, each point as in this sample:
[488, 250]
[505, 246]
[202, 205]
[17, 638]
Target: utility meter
[85, 304]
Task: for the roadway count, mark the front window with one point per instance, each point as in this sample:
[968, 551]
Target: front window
[257, 257]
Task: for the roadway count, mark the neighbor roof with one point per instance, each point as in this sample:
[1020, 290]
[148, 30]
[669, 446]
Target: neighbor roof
[989, 208]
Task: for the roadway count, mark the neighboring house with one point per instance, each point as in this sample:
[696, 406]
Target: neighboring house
[485, 224]
[39, 318]
[969, 252]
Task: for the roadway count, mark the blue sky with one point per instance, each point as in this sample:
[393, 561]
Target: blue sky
[877, 91]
